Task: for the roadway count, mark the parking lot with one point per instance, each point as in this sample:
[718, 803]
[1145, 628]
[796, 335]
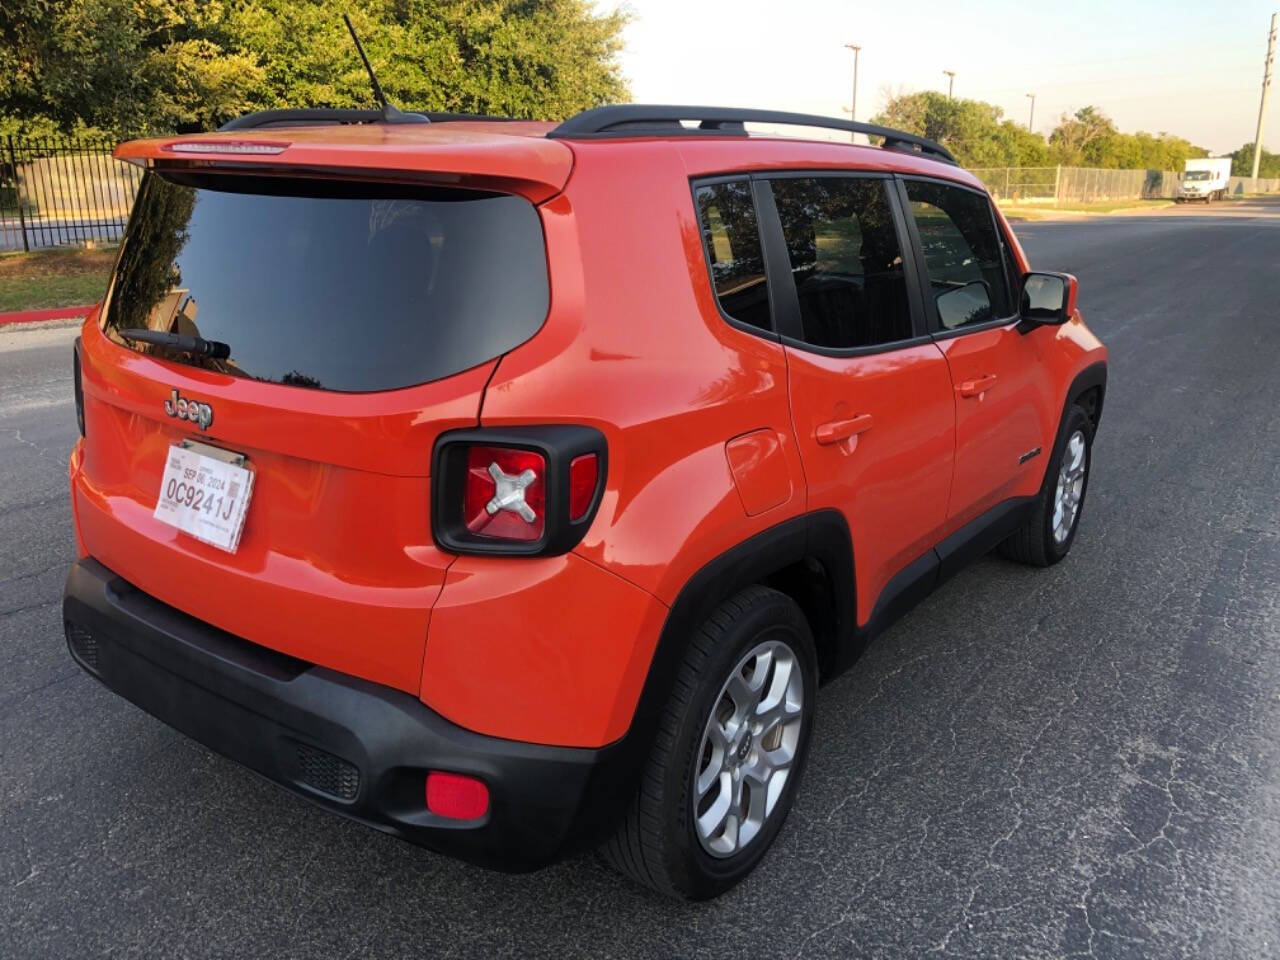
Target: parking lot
[1083, 761]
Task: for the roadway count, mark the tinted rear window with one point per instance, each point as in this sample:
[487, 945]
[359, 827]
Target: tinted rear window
[731, 236]
[328, 284]
[846, 260]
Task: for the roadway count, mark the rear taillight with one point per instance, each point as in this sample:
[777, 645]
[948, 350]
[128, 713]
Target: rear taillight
[77, 386]
[583, 474]
[518, 490]
[504, 496]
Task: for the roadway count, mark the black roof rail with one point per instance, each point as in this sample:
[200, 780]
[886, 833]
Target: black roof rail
[639, 119]
[300, 118]
[311, 116]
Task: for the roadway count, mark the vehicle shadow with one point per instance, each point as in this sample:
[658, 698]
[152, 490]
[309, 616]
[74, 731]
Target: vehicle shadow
[888, 798]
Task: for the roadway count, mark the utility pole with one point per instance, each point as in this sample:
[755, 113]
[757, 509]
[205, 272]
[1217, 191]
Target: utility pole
[1262, 107]
[1031, 120]
[951, 82]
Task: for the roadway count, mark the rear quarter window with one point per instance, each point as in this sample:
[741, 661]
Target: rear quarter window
[731, 238]
[329, 284]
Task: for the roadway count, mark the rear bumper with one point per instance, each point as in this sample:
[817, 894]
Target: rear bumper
[353, 747]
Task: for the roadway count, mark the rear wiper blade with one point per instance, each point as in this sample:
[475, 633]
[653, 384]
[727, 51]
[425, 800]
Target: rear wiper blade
[196, 346]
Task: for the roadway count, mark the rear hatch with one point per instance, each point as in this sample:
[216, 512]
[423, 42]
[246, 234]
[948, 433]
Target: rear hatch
[361, 318]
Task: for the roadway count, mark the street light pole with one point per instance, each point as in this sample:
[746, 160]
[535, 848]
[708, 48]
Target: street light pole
[853, 104]
[1262, 107]
[951, 82]
[1031, 120]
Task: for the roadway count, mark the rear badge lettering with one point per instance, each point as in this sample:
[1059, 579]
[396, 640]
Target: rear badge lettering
[184, 409]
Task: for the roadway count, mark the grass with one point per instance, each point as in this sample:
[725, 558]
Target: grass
[1102, 206]
[1050, 211]
[53, 278]
[1105, 206]
[1110, 206]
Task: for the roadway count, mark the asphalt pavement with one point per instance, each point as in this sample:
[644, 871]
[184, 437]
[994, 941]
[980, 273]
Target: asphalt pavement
[1081, 761]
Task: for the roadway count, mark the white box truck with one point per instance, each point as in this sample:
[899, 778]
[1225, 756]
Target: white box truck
[1205, 179]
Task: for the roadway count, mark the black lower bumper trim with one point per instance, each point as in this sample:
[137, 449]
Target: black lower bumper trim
[356, 748]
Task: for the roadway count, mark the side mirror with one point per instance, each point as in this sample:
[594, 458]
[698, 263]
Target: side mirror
[1047, 299]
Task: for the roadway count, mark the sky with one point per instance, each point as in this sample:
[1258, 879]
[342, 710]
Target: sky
[1194, 70]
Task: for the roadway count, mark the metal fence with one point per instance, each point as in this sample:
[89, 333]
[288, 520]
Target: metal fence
[72, 192]
[63, 192]
[1025, 184]
[1237, 186]
[1091, 185]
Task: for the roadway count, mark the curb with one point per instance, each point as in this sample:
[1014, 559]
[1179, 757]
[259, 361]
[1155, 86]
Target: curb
[40, 316]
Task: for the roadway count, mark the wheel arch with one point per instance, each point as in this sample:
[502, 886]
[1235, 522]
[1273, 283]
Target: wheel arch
[1089, 389]
[808, 557]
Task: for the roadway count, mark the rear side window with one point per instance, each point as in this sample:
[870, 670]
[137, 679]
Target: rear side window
[329, 284]
[846, 260]
[731, 236]
[962, 253]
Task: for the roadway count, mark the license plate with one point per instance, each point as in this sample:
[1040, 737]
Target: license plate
[205, 492]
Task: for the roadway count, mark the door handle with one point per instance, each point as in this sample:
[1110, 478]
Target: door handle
[977, 387]
[838, 430]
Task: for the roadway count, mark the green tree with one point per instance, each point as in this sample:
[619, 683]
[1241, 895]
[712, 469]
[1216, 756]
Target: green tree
[974, 131]
[521, 58]
[1242, 162]
[1081, 140]
[1089, 138]
[134, 65]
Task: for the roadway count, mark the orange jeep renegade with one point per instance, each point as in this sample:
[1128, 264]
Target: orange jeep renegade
[512, 487]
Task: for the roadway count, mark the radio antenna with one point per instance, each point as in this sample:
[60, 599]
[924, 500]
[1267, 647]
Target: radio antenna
[390, 112]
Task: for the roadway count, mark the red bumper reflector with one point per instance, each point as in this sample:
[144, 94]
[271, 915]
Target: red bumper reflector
[455, 796]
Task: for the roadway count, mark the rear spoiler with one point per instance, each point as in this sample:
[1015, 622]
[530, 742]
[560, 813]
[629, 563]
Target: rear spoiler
[311, 116]
[533, 167]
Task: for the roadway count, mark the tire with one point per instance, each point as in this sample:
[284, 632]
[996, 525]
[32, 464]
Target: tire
[1041, 540]
[659, 844]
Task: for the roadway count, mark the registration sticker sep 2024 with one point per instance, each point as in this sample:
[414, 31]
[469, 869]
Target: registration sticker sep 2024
[205, 496]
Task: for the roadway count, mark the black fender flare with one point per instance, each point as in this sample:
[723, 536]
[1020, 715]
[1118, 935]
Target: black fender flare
[822, 536]
[1094, 375]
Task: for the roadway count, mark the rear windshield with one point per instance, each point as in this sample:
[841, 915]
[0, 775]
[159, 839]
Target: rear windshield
[329, 284]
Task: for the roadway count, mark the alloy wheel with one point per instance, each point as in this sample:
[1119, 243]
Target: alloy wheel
[1070, 490]
[748, 748]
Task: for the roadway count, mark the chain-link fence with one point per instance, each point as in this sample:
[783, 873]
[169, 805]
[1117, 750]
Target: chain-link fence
[62, 192]
[1020, 184]
[1076, 184]
[1091, 185]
